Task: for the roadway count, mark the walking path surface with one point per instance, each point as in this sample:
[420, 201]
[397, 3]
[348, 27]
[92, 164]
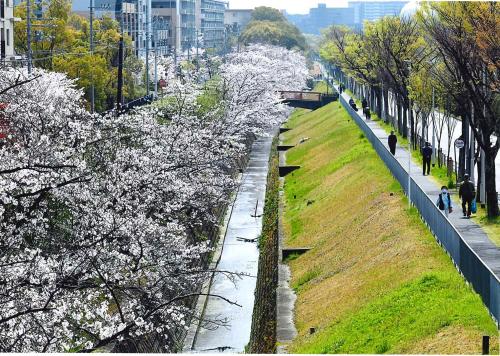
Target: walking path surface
[472, 233]
[238, 256]
[285, 296]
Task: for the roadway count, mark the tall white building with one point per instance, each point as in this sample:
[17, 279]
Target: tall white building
[6, 30]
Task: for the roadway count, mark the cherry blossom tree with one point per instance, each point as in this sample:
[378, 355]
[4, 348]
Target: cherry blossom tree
[104, 219]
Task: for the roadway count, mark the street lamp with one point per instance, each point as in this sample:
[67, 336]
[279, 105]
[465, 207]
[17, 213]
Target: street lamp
[91, 13]
[408, 65]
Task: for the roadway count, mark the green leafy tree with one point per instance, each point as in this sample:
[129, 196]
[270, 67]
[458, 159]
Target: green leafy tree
[265, 13]
[269, 26]
[466, 36]
[61, 42]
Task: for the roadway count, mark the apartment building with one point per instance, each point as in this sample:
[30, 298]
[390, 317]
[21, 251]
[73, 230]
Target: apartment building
[6, 30]
[183, 17]
[212, 23]
[237, 17]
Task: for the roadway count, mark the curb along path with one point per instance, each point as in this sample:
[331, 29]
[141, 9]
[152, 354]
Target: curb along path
[473, 253]
[285, 298]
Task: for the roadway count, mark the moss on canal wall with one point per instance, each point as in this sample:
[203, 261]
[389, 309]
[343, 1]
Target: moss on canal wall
[263, 335]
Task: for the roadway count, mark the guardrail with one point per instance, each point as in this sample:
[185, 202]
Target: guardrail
[474, 270]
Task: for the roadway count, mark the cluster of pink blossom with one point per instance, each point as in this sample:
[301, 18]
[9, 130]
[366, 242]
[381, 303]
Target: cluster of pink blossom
[103, 218]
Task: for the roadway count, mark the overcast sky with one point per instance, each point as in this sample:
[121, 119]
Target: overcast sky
[291, 6]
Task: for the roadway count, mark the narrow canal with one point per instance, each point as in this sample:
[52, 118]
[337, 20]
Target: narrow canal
[240, 255]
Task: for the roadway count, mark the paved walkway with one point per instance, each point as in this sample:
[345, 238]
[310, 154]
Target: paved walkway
[285, 296]
[239, 255]
[472, 233]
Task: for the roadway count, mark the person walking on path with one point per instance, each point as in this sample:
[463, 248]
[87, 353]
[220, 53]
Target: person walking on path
[353, 104]
[467, 193]
[364, 104]
[444, 201]
[427, 156]
[392, 140]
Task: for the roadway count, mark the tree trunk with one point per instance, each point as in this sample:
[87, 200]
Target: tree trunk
[490, 184]
[386, 105]
[372, 100]
[463, 151]
[400, 121]
[479, 176]
[378, 108]
[405, 120]
[412, 127]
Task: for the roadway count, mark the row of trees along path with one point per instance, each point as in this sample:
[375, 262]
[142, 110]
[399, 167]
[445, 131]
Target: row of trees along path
[448, 48]
[472, 233]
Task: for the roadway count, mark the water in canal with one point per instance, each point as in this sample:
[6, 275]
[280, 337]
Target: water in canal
[239, 256]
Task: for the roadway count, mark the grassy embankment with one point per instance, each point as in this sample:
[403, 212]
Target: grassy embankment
[375, 280]
[440, 175]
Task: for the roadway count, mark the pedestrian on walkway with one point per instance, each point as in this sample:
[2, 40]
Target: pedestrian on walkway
[392, 141]
[427, 156]
[444, 201]
[467, 193]
[341, 88]
[367, 113]
[364, 103]
[353, 104]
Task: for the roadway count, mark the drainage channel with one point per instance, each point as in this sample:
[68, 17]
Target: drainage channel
[239, 255]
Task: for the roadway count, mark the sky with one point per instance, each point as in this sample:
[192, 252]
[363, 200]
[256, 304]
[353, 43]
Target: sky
[291, 6]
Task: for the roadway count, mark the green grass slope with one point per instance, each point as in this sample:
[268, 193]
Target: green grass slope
[375, 280]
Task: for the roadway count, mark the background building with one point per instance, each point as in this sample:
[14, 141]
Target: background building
[131, 14]
[6, 30]
[183, 17]
[212, 22]
[322, 17]
[353, 15]
[374, 10]
[240, 17]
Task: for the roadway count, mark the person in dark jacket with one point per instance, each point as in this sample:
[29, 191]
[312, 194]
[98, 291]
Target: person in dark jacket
[364, 103]
[392, 141]
[427, 156]
[353, 104]
[467, 193]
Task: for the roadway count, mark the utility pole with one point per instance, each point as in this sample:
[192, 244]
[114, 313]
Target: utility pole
[28, 34]
[482, 184]
[197, 50]
[225, 42]
[147, 47]
[92, 88]
[433, 113]
[119, 93]
[156, 62]
[472, 145]
[175, 46]
[408, 63]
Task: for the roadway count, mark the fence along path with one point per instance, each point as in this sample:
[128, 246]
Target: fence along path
[472, 252]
